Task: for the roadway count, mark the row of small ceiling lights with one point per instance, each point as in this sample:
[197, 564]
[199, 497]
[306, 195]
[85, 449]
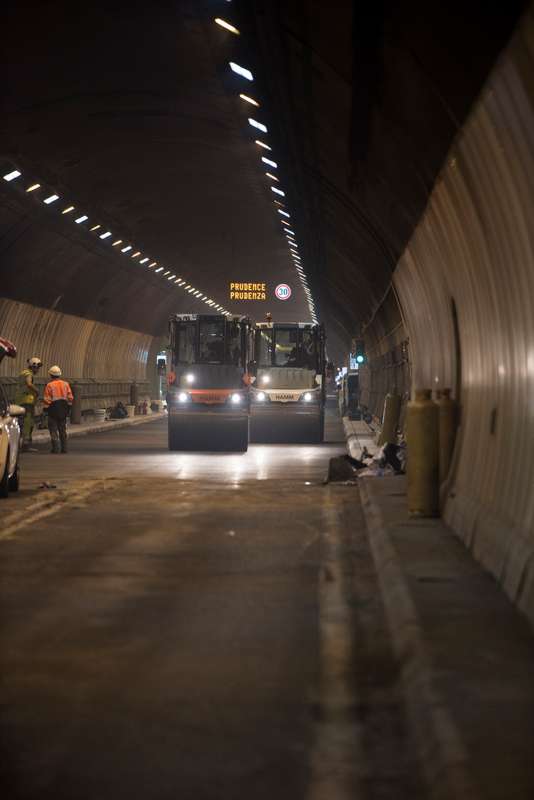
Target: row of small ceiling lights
[126, 249]
[272, 165]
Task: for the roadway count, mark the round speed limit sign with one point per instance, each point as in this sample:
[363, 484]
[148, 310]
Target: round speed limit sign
[283, 291]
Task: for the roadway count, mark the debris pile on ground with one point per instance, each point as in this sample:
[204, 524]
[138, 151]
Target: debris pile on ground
[390, 459]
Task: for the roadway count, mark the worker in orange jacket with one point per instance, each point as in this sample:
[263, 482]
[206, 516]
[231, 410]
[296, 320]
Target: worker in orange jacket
[57, 400]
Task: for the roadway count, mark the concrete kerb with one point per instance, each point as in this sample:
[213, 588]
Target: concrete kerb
[442, 755]
[98, 427]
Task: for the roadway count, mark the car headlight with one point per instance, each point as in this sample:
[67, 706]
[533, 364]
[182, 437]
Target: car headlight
[183, 397]
[307, 397]
[236, 399]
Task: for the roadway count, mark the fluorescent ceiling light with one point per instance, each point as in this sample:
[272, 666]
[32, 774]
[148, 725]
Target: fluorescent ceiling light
[165, 273]
[68, 210]
[125, 249]
[171, 277]
[143, 260]
[278, 203]
[284, 222]
[158, 269]
[95, 227]
[137, 253]
[81, 219]
[245, 73]
[269, 162]
[289, 231]
[192, 289]
[284, 213]
[182, 283]
[278, 191]
[119, 241]
[153, 264]
[12, 175]
[262, 144]
[272, 177]
[226, 25]
[259, 125]
[33, 187]
[51, 199]
[250, 100]
[105, 235]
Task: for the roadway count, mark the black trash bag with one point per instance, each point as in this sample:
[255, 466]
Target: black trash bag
[118, 411]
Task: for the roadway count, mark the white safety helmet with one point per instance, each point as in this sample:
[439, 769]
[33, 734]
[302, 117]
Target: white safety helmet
[55, 371]
[35, 362]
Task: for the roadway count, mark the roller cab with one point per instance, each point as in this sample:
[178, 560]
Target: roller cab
[208, 393]
[287, 395]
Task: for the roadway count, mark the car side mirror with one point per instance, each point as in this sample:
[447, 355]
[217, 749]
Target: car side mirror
[16, 411]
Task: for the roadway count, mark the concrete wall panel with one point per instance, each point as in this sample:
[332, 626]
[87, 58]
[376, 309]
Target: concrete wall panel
[475, 243]
[82, 347]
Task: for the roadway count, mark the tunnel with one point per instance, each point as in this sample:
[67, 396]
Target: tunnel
[246, 624]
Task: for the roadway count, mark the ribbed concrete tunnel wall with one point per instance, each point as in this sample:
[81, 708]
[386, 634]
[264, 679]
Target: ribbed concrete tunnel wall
[475, 246]
[90, 352]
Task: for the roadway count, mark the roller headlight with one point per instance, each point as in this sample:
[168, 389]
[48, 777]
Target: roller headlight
[307, 397]
[190, 378]
[265, 378]
[183, 397]
[235, 399]
[260, 397]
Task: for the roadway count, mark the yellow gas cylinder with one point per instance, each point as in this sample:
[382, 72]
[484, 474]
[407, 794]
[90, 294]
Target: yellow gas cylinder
[392, 404]
[423, 455]
[447, 413]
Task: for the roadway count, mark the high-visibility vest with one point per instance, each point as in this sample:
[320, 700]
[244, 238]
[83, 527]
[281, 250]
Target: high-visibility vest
[57, 390]
[24, 395]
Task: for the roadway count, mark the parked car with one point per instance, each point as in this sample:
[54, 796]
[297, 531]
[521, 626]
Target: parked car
[9, 432]
[9, 444]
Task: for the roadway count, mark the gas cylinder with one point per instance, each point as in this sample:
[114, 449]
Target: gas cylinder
[392, 404]
[447, 414]
[422, 439]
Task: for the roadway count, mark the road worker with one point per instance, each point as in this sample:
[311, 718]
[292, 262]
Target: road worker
[57, 399]
[27, 398]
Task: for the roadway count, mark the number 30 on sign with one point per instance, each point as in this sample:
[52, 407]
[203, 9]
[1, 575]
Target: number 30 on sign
[283, 291]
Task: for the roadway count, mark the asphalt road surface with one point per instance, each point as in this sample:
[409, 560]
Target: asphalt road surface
[193, 626]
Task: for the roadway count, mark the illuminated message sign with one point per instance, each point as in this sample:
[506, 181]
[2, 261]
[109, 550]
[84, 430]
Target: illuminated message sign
[248, 291]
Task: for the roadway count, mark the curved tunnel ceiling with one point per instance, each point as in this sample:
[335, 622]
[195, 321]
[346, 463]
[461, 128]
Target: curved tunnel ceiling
[130, 112]
[132, 115]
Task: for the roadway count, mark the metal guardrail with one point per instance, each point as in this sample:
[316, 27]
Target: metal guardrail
[94, 394]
